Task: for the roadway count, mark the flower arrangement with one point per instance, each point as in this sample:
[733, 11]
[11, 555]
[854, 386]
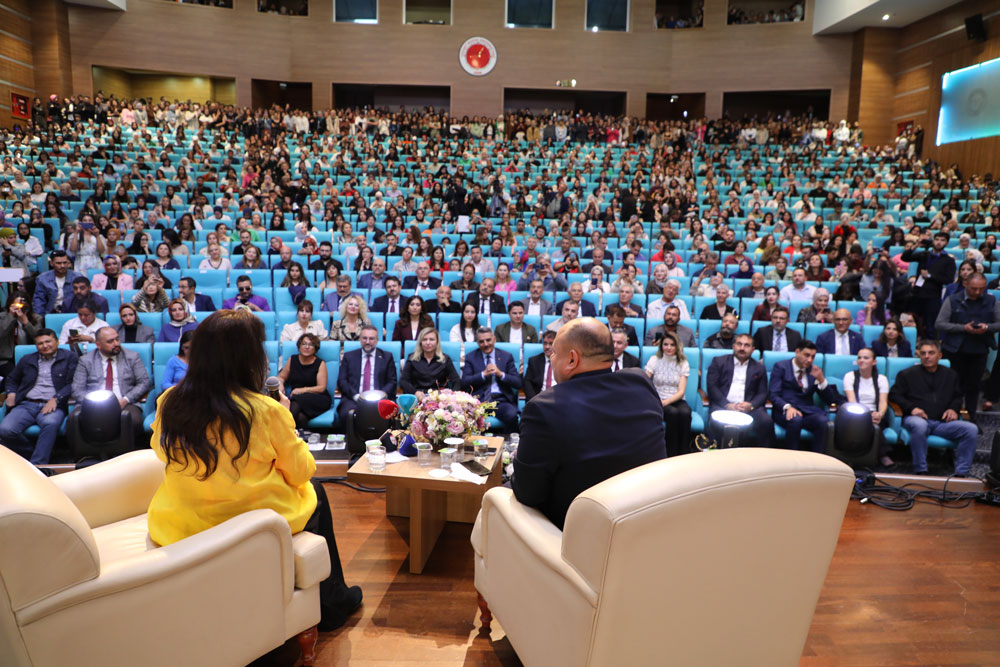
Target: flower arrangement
[445, 413]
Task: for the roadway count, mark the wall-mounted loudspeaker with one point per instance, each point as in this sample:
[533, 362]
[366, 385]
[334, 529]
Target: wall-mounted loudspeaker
[975, 28]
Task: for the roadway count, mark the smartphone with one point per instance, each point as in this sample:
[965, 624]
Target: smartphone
[476, 468]
[74, 332]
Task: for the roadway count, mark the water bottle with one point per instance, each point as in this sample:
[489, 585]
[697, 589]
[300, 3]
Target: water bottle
[331, 442]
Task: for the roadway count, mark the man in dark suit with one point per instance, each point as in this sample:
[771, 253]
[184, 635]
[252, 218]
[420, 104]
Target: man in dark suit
[622, 358]
[39, 388]
[593, 425]
[841, 340]
[363, 370]
[777, 337]
[516, 331]
[935, 269]
[485, 300]
[443, 302]
[737, 382]
[616, 320]
[538, 372]
[794, 383]
[82, 293]
[423, 279]
[390, 302]
[492, 375]
[625, 294]
[196, 302]
[584, 308]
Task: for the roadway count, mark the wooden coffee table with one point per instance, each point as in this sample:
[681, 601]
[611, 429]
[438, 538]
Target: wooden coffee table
[428, 501]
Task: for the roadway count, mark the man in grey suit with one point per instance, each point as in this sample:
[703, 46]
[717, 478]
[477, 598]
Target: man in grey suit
[535, 304]
[112, 367]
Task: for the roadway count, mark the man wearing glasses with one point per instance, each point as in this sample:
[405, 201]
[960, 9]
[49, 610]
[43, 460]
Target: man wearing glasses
[246, 297]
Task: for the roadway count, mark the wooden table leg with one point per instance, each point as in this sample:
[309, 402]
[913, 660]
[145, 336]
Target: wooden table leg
[428, 510]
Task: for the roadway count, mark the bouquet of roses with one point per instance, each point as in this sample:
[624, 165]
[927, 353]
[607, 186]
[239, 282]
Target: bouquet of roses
[445, 413]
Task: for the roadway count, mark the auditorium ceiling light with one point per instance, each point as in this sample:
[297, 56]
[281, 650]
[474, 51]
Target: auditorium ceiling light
[594, 29]
[885, 17]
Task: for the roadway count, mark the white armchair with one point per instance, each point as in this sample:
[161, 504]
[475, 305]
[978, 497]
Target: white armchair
[705, 559]
[82, 584]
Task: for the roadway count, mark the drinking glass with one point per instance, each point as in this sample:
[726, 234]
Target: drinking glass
[480, 450]
[376, 458]
[425, 454]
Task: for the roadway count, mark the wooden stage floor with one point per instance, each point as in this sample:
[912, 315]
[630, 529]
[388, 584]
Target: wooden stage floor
[920, 587]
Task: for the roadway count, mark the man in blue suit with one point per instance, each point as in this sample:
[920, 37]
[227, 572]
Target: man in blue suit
[375, 279]
[363, 370]
[492, 376]
[196, 302]
[591, 425]
[737, 382]
[794, 383]
[54, 288]
[841, 340]
[39, 390]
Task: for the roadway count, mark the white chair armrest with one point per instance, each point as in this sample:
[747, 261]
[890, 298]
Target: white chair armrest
[117, 489]
[183, 558]
[312, 559]
[539, 535]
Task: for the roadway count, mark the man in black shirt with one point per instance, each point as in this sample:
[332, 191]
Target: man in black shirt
[930, 397]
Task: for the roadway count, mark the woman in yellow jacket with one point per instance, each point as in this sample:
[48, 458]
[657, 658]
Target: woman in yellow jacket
[229, 449]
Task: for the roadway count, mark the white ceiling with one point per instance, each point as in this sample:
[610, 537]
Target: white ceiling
[846, 16]
[101, 4]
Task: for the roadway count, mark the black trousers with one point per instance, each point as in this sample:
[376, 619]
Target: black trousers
[970, 369]
[677, 422]
[332, 590]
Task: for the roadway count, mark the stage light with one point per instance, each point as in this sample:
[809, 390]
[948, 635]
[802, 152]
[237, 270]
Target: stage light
[594, 29]
[855, 438]
[885, 17]
[95, 430]
[732, 427]
[369, 420]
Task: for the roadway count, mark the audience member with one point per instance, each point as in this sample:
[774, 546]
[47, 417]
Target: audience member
[304, 381]
[867, 387]
[365, 369]
[930, 397]
[538, 373]
[794, 384]
[516, 330]
[38, 391]
[491, 375]
[669, 371]
[842, 339]
[428, 367]
[738, 382]
[623, 359]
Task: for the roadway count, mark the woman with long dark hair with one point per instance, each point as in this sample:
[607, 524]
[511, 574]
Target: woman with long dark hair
[230, 449]
[412, 320]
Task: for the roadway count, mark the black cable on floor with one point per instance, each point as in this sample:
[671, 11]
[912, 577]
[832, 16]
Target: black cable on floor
[350, 485]
[869, 489]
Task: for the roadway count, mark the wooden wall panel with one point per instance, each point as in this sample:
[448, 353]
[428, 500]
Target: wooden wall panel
[15, 22]
[877, 87]
[112, 82]
[244, 44]
[940, 40]
[50, 37]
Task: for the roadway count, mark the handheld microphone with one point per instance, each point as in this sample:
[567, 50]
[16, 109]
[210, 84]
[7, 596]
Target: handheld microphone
[387, 409]
[271, 386]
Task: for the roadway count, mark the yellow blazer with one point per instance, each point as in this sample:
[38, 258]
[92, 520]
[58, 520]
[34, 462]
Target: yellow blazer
[273, 474]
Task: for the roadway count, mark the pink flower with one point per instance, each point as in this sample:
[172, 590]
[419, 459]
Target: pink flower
[456, 427]
[480, 423]
[431, 405]
[418, 428]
